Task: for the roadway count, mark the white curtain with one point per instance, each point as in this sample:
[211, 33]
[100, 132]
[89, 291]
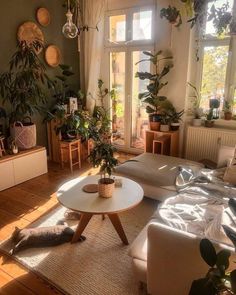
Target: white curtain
[91, 47]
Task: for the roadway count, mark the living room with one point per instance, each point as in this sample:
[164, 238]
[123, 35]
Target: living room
[118, 147]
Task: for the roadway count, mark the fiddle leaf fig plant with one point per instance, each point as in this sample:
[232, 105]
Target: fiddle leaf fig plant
[217, 279]
[24, 84]
[151, 97]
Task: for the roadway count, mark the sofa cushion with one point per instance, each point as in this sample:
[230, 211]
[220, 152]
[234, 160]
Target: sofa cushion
[156, 170]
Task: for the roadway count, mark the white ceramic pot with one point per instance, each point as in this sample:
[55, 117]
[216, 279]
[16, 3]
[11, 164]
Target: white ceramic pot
[197, 122]
[164, 128]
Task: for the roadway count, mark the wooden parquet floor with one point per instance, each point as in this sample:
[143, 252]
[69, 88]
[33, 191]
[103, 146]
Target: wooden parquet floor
[22, 205]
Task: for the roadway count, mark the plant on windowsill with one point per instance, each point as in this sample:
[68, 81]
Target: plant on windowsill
[209, 122]
[175, 119]
[196, 111]
[23, 86]
[172, 14]
[155, 103]
[228, 110]
[102, 155]
[217, 281]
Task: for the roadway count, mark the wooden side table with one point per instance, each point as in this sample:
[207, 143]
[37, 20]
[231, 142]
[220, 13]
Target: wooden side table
[161, 145]
[71, 147]
[151, 135]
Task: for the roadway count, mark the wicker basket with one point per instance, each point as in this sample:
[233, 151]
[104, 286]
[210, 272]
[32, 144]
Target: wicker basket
[106, 187]
[24, 135]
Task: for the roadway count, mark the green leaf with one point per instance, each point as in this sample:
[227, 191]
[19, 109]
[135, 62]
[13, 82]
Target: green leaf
[208, 252]
[223, 260]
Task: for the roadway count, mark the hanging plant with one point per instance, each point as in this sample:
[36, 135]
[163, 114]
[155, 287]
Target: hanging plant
[172, 14]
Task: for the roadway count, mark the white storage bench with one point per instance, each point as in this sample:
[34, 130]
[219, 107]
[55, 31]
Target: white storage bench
[25, 165]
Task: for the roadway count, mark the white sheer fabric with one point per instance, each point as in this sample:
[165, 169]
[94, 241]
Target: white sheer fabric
[91, 46]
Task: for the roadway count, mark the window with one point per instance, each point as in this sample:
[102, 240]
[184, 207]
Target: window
[216, 70]
[128, 33]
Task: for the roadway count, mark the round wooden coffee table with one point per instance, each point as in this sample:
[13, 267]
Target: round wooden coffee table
[72, 196]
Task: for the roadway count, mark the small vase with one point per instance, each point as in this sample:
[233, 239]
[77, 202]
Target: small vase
[106, 187]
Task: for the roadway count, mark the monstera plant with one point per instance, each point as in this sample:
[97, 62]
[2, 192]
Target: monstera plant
[155, 103]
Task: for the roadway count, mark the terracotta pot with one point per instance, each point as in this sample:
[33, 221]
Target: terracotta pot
[228, 116]
[174, 126]
[209, 124]
[155, 126]
[164, 128]
[106, 187]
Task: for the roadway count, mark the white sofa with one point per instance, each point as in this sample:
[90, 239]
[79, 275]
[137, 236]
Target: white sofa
[155, 173]
[167, 260]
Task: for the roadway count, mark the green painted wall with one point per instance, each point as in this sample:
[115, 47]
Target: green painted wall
[13, 14]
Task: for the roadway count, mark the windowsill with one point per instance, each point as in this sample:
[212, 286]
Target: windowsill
[225, 123]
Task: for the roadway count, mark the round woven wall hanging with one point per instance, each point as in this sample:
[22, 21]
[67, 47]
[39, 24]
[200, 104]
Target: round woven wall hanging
[43, 16]
[30, 32]
[53, 56]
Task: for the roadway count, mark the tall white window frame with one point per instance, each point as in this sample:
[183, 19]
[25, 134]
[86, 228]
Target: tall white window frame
[230, 77]
[128, 46]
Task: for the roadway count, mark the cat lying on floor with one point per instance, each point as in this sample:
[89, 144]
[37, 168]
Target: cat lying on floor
[42, 237]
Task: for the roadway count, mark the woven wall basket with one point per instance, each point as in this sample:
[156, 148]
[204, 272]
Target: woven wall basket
[24, 135]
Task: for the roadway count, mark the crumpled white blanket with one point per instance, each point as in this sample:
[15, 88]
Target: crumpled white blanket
[198, 214]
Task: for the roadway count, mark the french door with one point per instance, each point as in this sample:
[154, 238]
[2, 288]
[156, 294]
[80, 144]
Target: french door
[128, 114]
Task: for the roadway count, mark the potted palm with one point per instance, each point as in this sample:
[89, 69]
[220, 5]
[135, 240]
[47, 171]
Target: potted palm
[102, 155]
[23, 86]
[155, 103]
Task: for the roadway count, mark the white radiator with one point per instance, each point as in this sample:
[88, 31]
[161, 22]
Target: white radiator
[204, 143]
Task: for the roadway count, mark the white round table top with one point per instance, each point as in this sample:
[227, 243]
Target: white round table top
[72, 196]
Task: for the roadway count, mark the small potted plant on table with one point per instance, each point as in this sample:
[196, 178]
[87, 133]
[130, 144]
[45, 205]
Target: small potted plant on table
[165, 122]
[102, 155]
[228, 110]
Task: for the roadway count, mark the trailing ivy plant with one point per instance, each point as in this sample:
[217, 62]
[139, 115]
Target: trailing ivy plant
[24, 85]
[172, 14]
[154, 101]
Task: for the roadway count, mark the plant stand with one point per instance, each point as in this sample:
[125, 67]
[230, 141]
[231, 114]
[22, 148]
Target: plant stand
[71, 147]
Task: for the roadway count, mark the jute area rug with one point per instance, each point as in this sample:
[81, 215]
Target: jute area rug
[98, 266]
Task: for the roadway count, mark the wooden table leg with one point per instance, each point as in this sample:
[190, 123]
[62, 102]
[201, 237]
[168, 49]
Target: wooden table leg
[115, 220]
[84, 220]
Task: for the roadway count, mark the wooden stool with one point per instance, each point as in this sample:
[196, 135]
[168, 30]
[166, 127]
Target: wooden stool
[2, 148]
[70, 147]
[161, 145]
